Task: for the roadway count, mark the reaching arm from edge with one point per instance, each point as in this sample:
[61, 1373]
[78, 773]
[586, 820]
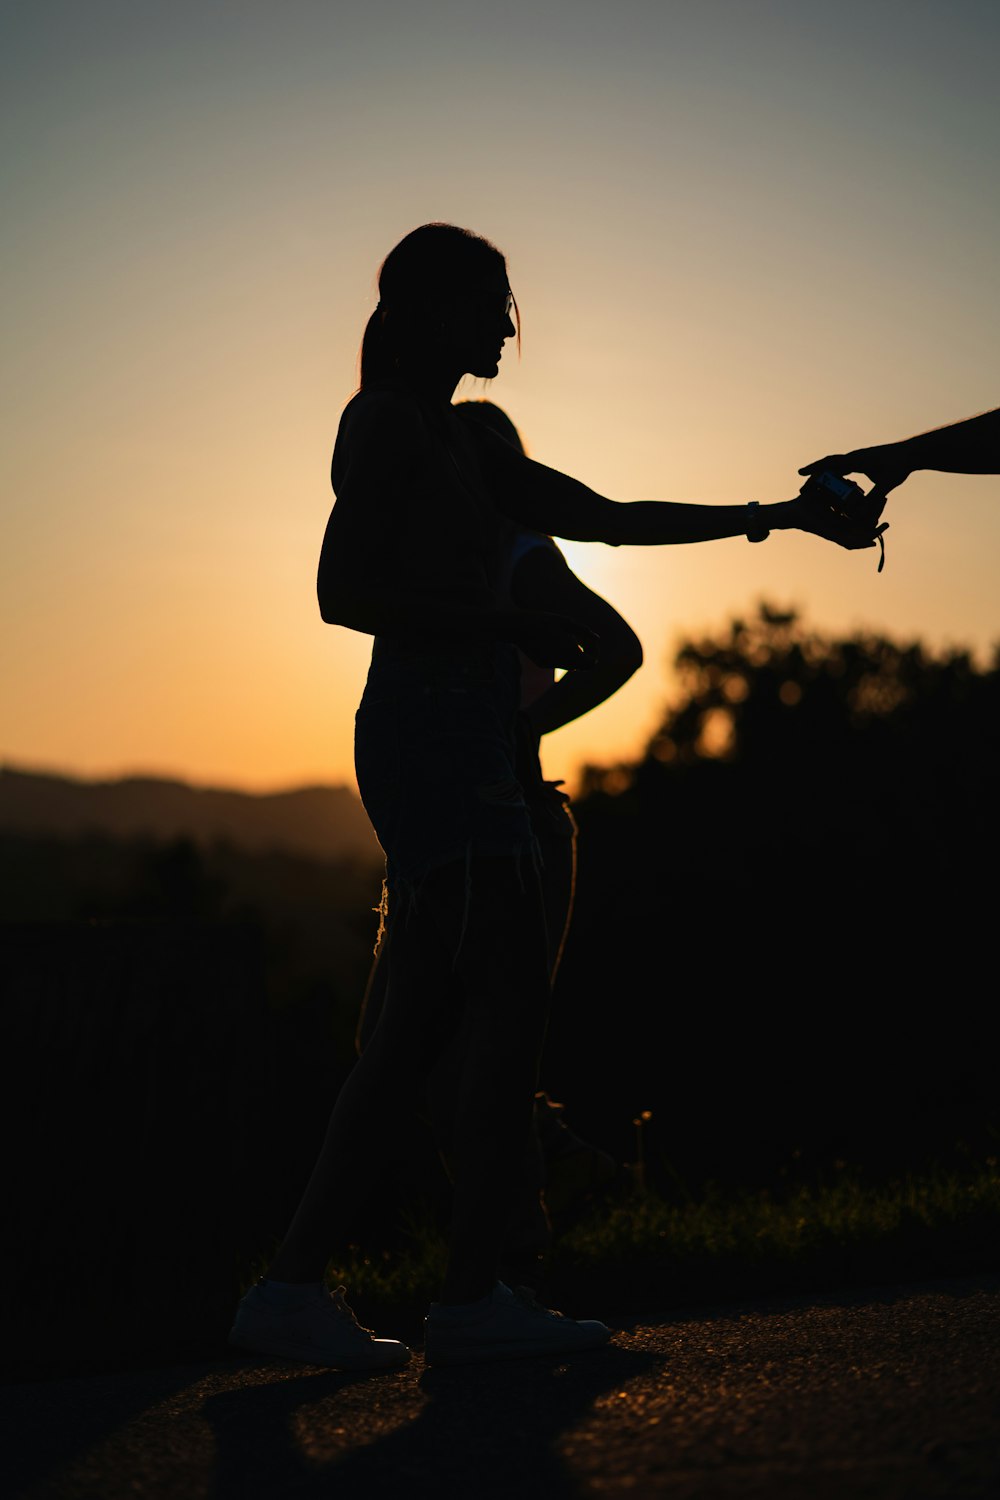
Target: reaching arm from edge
[969, 447]
[542, 579]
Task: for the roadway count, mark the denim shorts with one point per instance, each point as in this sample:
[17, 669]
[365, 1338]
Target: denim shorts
[434, 755]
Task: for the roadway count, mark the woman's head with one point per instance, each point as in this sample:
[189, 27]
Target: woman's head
[444, 299]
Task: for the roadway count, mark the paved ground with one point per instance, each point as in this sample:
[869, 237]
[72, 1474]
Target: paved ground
[894, 1393]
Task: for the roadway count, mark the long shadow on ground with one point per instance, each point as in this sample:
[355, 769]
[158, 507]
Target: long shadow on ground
[489, 1430]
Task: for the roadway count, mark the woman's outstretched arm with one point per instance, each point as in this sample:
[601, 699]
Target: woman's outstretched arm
[547, 500]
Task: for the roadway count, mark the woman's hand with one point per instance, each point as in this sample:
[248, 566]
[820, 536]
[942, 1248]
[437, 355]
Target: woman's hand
[811, 512]
[542, 579]
[553, 640]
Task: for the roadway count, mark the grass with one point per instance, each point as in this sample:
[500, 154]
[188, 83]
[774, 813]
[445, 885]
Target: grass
[811, 1238]
[640, 1253]
[643, 1253]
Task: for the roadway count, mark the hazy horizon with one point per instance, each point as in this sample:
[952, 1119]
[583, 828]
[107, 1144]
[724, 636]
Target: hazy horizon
[98, 778]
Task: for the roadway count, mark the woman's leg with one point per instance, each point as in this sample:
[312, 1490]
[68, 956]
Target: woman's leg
[490, 916]
[503, 973]
[559, 858]
[379, 1096]
[528, 1232]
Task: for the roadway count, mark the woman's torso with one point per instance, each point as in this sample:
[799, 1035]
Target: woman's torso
[441, 535]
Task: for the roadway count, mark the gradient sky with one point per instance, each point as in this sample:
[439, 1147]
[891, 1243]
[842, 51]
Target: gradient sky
[741, 233]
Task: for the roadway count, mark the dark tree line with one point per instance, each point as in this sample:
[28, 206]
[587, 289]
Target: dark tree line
[786, 913]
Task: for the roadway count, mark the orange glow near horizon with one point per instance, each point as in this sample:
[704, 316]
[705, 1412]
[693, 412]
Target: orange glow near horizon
[721, 277]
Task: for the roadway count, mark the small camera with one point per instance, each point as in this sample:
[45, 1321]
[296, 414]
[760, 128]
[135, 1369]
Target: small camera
[843, 494]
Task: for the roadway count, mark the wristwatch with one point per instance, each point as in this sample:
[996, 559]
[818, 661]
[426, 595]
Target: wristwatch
[756, 530]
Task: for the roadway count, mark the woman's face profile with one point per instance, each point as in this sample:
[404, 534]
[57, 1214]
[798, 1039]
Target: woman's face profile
[480, 325]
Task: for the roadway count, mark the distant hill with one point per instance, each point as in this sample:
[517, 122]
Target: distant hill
[322, 822]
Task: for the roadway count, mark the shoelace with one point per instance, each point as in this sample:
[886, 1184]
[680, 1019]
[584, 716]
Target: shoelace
[337, 1297]
[528, 1298]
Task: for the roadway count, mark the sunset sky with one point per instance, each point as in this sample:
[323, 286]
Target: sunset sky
[741, 233]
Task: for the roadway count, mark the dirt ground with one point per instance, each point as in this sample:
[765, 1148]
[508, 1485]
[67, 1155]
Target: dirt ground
[893, 1392]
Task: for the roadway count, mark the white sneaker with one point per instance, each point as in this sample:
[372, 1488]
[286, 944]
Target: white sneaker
[504, 1325]
[320, 1329]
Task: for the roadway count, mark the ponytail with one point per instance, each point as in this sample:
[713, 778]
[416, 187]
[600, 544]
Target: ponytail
[376, 360]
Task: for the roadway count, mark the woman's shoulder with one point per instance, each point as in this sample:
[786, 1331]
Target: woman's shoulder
[380, 426]
[380, 423]
[377, 409]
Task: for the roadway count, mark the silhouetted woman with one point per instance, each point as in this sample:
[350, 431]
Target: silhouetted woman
[411, 556]
[559, 1167]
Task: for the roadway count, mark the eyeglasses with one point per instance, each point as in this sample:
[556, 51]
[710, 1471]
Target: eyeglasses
[484, 305]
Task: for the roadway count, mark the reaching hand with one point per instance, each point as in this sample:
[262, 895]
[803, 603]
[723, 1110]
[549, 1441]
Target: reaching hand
[555, 641]
[878, 464]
